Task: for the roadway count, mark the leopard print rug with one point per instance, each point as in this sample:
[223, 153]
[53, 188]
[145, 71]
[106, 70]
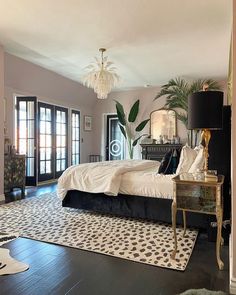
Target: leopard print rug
[43, 218]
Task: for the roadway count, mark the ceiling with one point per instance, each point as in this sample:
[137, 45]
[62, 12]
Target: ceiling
[150, 41]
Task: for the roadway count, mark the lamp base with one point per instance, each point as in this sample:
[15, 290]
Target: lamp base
[205, 137]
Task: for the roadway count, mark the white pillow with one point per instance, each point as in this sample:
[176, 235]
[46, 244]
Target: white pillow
[198, 163]
[187, 157]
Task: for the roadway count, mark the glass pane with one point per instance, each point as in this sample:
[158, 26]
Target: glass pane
[22, 129]
[77, 159]
[77, 133]
[42, 140]
[58, 116]
[73, 134]
[30, 167]
[77, 146]
[63, 153]
[30, 150]
[63, 117]
[42, 127]
[48, 140]
[48, 128]
[22, 146]
[77, 120]
[58, 153]
[73, 147]
[42, 167]
[48, 115]
[58, 141]
[63, 141]
[42, 114]
[58, 128]
[58, 165]
[30, 129]
[48, 166]
[63, 165]
[73, 160]
[63, 129]
[30, 114]
[42, 154]
[72, 120]
[22, 110]
[48, 153]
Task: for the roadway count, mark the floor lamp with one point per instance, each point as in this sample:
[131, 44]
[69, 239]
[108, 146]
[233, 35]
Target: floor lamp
[205, 112]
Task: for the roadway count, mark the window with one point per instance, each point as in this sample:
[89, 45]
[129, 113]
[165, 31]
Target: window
[75, 137]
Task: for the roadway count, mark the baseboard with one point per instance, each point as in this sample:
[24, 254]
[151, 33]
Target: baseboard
[232, 280]
[2, 197]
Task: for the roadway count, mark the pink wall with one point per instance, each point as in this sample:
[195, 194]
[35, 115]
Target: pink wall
[127, 98]
[1, 120]
[25, 78]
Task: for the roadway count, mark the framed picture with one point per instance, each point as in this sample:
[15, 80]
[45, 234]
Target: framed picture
[87, 123]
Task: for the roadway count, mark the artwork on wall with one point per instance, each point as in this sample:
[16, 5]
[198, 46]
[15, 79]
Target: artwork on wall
[87, 123]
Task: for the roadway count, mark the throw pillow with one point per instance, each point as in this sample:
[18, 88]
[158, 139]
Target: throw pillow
[165, 162]
[186, 160]
[169, 162]
[198, 163]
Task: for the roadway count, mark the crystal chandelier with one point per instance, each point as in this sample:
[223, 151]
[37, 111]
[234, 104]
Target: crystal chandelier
[101, 77]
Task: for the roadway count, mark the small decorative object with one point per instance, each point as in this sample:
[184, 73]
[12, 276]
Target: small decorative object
[177, 140]
[87, 123]
[160, 141]
[126, 124]
[165, 139]
[102, 76]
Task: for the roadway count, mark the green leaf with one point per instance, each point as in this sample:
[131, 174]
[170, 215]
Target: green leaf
[134, 111]
[120, 113]
[137, 139]
[122, 129]
[142, 125]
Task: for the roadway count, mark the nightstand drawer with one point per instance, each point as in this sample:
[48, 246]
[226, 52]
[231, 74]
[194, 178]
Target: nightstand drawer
[196, 198]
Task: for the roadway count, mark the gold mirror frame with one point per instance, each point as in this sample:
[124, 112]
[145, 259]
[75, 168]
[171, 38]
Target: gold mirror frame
[166, 122]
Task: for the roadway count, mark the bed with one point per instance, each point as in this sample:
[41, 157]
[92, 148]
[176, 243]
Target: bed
[130, 188]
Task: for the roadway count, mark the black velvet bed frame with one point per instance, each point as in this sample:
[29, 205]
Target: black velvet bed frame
[156, 209]
[160, 209]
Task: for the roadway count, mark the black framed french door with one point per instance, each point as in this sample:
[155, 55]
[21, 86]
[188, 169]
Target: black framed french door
[114, 139]
[42, 136]
[26, 135]
[61, 140]
[75, 137]
[46, 142]
[53, 141]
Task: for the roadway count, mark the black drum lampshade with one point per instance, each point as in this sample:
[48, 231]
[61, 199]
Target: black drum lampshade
[205, 110]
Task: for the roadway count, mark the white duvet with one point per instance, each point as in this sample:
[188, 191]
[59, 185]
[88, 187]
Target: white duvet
[132, 177]
[99, 177]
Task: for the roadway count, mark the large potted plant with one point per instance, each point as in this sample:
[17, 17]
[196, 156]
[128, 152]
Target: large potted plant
[129, 128]
[177, 91]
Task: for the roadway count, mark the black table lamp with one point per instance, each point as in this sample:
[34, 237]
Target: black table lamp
[205, 112]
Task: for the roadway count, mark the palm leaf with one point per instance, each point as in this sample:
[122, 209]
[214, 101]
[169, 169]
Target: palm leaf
[122, 129]
[134, 112]
[120, 113]
[177, 91]
[142, 125]
[137, 139]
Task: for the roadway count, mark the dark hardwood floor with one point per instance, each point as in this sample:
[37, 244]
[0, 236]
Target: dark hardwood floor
[62, 270]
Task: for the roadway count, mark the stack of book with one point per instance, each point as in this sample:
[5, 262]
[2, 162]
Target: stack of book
[210, 177]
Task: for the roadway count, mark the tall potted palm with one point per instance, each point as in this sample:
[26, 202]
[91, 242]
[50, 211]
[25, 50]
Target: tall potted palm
[177, 91]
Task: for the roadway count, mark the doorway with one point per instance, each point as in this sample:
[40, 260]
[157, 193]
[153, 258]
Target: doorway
[114, 139]
[42, 135]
